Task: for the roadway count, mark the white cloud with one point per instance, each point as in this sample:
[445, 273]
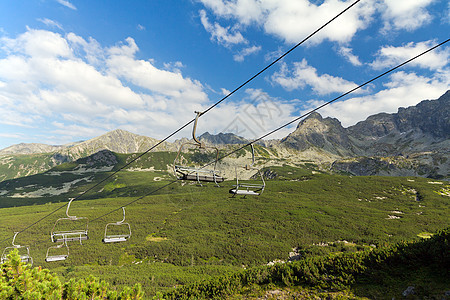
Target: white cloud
[37, 43]
[225, 91]
[389, 56]
[225, 36]
[50, 23]
[74, 130]
[90, 50]
[65, 83]
[255, 115]
[303, 75]
[403, 90]
[347, 54]
[121, 63]
[246, 11]
[294, 20]
[408, 15]
[10, 135]
[246, 52]
[67, 4]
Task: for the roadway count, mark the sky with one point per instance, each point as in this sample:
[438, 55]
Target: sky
[71, 70]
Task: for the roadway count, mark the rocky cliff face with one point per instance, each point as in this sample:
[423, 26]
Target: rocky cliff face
[417, 140]
[222, 139]
[316, 132]
[424, 127]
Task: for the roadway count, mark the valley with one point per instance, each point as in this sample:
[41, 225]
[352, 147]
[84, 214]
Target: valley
[330, 193]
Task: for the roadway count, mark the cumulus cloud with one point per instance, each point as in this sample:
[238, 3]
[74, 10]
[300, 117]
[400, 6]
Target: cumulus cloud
[80, 84]
[75, 88]
[225, 36]
[389, 56]
[294, 20]
[402, 90]
[303, 75]
[408, 15]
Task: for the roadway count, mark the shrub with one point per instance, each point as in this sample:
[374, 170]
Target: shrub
[21, 281]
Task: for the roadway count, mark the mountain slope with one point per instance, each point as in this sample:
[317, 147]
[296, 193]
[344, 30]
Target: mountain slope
[316, 132]
[29, 159]
[423, 127]
[415, 141]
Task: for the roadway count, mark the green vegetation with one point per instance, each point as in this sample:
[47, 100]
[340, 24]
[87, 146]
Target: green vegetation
[20, 281]
[184, 233]
[379, 273]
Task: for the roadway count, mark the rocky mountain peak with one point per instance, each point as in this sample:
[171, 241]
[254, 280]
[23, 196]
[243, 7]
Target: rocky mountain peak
[222, 138]
[318, 132]
[429, 118]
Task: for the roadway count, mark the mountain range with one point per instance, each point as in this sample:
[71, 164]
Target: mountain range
[415, 141]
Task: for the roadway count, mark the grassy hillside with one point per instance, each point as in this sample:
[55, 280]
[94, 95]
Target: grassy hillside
[20, 165]
[184, 233]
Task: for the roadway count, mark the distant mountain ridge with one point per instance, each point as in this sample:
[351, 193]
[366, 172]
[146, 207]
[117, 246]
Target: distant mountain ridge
[414, 141]
[222, 139]
[119, 140]
[410, 130]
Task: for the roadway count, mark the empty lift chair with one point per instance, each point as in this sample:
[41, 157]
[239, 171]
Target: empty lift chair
[67, 233]
[57, 257]
[114, 238]
[246, 188]
[25, 256]
[197, 173]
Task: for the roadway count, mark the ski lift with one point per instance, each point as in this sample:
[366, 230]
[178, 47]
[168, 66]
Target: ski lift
[196, 173]
[70, 234]
[114, 238]
[245, 188]
[57, 257]
[24, 257]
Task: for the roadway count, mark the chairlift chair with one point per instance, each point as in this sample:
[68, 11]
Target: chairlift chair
[199, 174]
[57, 257]
[245, 188]
[114, 238]
[69, 235]
[24, 257]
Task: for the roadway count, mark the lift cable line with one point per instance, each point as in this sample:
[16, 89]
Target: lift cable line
[265, 135]
[188, 123]
[282, 56]
[290, 122]
[333, 100]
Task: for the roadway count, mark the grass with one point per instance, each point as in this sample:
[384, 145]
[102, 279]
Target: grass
[183, 232]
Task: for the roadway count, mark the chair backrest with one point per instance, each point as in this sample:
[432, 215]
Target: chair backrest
[199, 173]
[114, 238]
[68, 235]
[24, 257]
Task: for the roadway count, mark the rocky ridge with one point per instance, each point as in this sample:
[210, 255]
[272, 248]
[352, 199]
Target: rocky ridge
[415, 141]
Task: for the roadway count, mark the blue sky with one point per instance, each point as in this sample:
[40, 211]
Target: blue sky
[71, 70]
